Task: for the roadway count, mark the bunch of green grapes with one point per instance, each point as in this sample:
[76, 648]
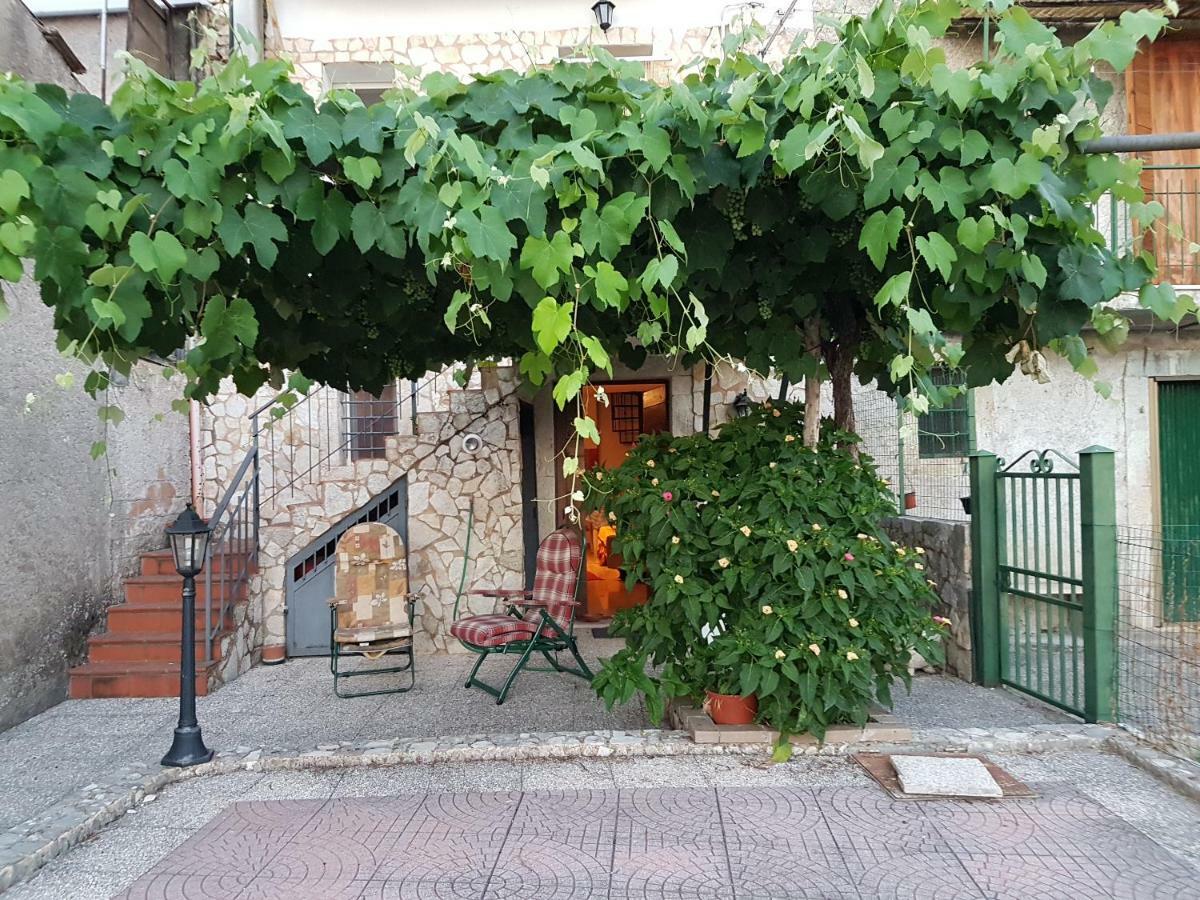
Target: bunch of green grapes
[735, 211]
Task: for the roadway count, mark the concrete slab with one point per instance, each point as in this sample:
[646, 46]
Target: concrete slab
[945, 777]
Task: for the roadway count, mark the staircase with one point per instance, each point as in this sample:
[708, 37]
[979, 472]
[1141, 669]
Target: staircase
[138, 656]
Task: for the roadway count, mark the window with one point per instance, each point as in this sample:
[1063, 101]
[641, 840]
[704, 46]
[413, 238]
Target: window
[627, 416]
[369, 420]
[945, 431]
[367, 79]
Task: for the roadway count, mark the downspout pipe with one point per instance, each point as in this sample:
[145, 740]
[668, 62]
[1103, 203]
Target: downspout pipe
[707, 414]
[1143, 143]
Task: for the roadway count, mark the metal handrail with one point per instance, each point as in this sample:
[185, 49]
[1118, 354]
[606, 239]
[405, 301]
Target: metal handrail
[395, 412]
[232, 545]
[1181, 204]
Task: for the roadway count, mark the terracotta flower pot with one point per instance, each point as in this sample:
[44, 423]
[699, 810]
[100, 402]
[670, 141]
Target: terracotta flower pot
[910, 500]
[730, 709]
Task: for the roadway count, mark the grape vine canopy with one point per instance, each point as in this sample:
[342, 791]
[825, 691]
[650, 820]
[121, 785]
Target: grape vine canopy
[863, 208]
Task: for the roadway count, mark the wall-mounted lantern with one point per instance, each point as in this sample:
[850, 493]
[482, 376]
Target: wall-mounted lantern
[604, 13]
[741, 405]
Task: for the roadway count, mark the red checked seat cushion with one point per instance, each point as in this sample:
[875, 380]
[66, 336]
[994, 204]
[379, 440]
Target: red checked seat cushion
[492, 630]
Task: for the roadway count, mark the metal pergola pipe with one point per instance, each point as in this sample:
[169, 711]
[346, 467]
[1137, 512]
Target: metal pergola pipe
[1143, 143]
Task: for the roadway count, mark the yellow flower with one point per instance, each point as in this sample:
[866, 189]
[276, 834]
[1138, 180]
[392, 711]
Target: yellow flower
[679, 579]
[745, 529]
[716, 493]
[899, 551]
[816, 651]
[723, 562]
[816, 527]
[851, 655]
[771, 465]
[854, 623]
[649, 464]
[675, 539]
[775, 413]
[654, 481]
[779, 654]
[789, 438]
[921, 551]
[612, 517]
[919, 567]
[842, 595]
[767, 610]
[793, 546]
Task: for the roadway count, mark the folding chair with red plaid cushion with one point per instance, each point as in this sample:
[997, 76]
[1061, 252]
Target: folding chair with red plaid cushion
[541, 620]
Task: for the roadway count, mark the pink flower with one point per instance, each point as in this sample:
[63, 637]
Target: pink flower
[668, 496]
[941, 620]
[849, 557]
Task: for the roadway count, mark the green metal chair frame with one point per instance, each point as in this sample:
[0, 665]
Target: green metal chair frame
[336, 651]
[549, 637]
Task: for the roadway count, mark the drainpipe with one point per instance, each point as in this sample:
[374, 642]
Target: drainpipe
[194, 456]
[104, 50]
[707, 414]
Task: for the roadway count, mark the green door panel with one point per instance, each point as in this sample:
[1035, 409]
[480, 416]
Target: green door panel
[1179, 479]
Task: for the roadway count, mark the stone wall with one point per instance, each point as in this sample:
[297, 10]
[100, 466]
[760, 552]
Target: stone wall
[444, 480]
[73, 526]
[948, 564]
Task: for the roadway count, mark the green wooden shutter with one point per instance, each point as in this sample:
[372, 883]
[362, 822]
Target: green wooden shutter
[1179, 480]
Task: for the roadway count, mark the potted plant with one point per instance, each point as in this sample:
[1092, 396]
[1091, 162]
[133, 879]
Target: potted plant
[781, 545]
[723, 700]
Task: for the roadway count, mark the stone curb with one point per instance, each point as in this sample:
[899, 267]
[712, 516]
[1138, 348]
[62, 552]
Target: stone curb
[27, 847]
[1180, 774]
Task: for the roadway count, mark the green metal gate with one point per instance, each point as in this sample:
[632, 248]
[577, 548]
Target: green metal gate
[1043, 556]
[1179, 497]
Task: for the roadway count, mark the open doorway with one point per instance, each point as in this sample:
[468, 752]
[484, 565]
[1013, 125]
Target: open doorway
[634, 408]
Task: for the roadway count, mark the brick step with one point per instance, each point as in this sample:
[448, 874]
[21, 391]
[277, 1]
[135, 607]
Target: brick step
[141, 619]
[142, 589]
[161, 562]
[160, 647]
[95, 680]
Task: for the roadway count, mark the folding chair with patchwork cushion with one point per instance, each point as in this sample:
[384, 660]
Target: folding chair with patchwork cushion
[537, 621]
[371, 614]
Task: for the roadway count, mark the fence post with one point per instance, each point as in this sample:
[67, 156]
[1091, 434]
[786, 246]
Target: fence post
[985, 562]
[1098, 540]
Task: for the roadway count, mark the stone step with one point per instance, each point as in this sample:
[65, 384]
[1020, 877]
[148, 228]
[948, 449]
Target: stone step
[142, 589]
[163, 646]
[140, 619]
[96, 680]
[161, 562]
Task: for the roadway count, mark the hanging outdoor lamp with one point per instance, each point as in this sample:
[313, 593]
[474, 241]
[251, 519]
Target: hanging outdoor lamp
[189, 544]
[604, 13]
[741, 405]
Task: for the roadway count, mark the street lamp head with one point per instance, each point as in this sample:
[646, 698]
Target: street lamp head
[189, 541]
[604, 13]
[741, 405]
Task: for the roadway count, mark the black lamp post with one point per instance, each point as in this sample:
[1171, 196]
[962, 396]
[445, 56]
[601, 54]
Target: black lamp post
[189, 543]
[604, 10]
[741, 405]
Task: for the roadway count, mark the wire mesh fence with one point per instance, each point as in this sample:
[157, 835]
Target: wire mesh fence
[1158, 635]
[922, 458]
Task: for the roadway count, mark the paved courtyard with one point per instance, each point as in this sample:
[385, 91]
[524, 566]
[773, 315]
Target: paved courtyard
[292, 706]
[648, 828]
[667, 826]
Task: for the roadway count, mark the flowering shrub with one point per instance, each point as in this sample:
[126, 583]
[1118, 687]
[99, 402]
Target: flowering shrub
[768, 574]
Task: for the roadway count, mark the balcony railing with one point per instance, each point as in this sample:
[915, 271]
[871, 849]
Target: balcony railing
[1173, 239]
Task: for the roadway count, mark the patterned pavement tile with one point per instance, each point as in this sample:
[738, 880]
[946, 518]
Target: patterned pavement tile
[662, 844]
